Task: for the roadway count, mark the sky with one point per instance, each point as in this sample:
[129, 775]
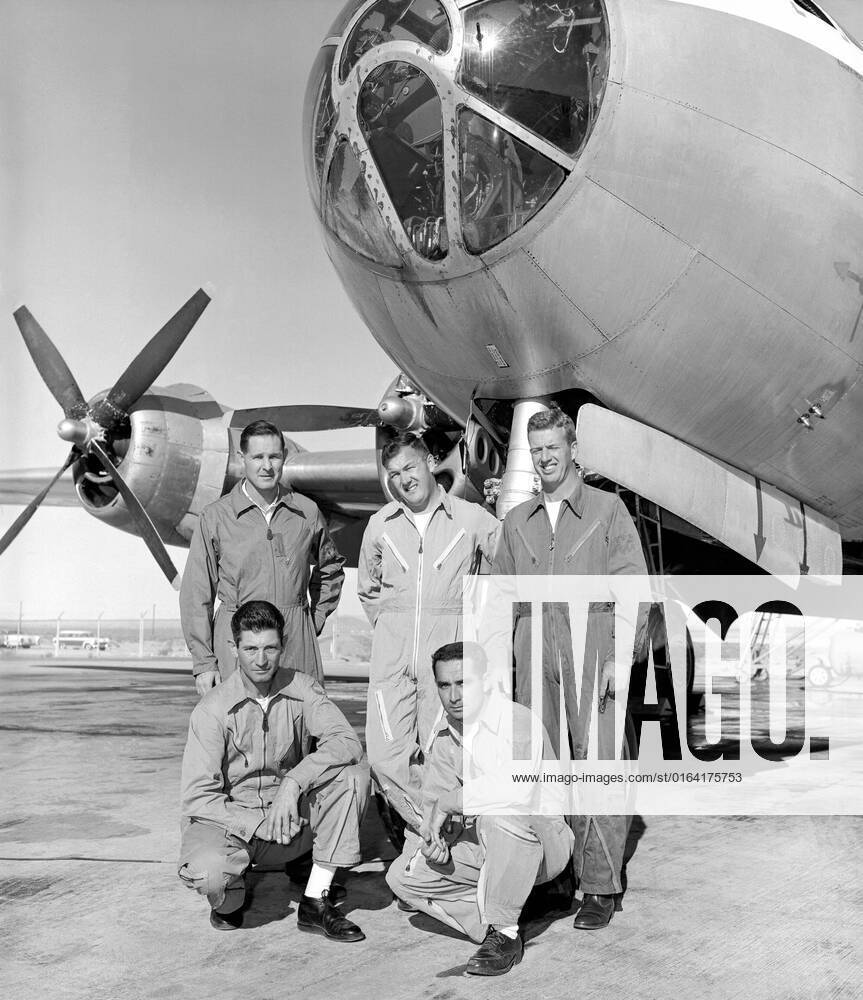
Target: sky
[148, 147]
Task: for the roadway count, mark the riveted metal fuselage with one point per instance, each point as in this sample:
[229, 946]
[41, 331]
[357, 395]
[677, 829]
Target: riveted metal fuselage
[697, 268]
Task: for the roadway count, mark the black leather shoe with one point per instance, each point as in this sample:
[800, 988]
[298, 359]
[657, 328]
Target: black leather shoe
[496, 955]
[227, 921]
[319, 916]
[595, 912]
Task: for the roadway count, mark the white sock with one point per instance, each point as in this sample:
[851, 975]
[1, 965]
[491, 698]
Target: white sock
[320, 880]
[511, 932]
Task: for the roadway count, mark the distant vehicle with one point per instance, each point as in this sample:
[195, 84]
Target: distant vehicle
[18, 640]
[79, 639]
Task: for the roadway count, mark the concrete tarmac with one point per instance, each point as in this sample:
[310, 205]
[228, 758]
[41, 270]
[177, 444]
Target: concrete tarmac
[756, 908]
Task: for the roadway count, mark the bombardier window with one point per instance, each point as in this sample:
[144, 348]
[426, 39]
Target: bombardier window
[422, 21]
[543, 64]
[400, 115]
[351, 213]
[504, 182]
[318, 119]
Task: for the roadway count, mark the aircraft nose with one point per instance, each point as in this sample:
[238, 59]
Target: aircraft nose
[541, 71]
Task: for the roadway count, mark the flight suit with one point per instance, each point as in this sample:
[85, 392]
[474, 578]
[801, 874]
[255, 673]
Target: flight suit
[411, 589]
[594, 536]
[495, 859]
[237, 755]
[292, 562]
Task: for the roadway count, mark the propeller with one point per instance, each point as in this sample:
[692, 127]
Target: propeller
[293, 419]
[88, 427]
[145, 526]
[151, 361]
[34, 504]
[53, 369]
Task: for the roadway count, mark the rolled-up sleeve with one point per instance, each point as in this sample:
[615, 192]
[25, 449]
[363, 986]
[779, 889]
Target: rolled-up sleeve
[197, 597]
[203, 784]
[336, 743]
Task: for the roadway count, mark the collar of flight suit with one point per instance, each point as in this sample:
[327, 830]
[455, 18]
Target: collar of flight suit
[490, 718]
[443, 501]
[238, 688]
[241, 502]
[576, 500]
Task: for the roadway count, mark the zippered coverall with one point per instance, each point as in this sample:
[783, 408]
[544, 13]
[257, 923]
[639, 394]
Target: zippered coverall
[495, 859]
[411, 589]
[594, 536]
[237, 755]
[235, 556]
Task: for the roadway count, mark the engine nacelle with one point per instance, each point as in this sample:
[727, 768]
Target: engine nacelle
[175, 459]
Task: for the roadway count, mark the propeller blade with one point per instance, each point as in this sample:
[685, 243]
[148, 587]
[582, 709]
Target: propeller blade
[141, 517]
[53, 369]
[292, 419]
[150, 362]
[34, 504]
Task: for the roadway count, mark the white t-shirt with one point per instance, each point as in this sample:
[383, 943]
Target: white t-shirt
[270, 509]
[422, 521]
[553, 509]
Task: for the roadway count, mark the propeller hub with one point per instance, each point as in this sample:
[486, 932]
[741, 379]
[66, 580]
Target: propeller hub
[77, 432]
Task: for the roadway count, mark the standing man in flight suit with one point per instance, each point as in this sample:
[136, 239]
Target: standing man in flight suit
[259, 542]
[572, 529]
[414, 554]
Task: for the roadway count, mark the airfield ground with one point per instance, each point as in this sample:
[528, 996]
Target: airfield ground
[740, 907]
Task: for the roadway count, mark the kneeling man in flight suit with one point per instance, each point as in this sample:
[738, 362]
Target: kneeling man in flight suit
[271, 768]
[475, 873]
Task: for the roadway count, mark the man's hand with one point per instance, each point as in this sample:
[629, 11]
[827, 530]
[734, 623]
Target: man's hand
[435, 848]
[283, 820]
[205, 680]
[606, 681]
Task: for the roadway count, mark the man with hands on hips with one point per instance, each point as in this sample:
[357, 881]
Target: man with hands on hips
[271, 769]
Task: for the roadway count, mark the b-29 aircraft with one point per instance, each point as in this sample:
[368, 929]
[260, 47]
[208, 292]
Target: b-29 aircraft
[648, 210]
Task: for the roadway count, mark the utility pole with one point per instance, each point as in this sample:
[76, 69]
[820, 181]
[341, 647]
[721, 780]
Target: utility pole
[20, 617]
[141, 635]
[57, 635]
[99, 632]
[153, 629]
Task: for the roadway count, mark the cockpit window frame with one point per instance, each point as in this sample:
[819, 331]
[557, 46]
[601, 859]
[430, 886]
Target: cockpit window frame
[347, 65]
[468, 54]
[426, 227]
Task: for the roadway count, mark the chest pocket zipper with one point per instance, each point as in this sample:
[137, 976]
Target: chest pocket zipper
[391, 545]
[583, 539]
[526, 544]
[238, 748]
[441, 558]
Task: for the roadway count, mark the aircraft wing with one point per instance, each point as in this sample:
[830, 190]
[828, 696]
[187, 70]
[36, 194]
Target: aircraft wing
[19, 486]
